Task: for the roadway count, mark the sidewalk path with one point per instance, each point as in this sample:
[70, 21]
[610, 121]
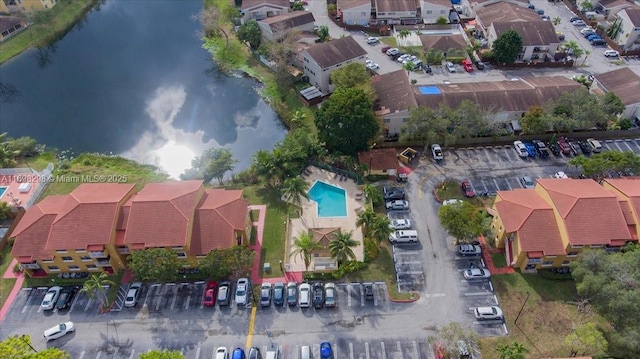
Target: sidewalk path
[14, 292]
[486, 254]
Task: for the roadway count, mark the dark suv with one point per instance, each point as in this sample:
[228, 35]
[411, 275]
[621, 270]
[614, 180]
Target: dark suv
[318, 295]
[368, 291]
[66, 297]
[391, 194]
[542, 149]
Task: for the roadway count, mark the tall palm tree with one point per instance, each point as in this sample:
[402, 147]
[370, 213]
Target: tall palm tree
[556, 21]
[370, 191]
[403, 34]
[341, 245]
[294, 190]
[304, 248]
[365, 219]
[381, 229]
[94, 286]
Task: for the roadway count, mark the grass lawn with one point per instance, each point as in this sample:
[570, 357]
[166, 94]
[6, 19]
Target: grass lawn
[6, 285]
[390, 41]
[499, 260]
[547, 317]
[450, 190]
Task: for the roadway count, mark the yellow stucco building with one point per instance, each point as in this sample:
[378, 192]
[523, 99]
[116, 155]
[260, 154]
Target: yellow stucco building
[36, 5]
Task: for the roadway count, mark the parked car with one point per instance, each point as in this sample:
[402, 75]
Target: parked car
[372, 40]
[480, 65]
[397, 205]
[574, 147]
[243, 287]
[133, 294]
[594, 37]
[467, 189]
[450, 66]
[58, 331]
[555, 149]
[545, 17]
[209, 298]
[392, 51]
[305, 295]
[598, 42]
[66, 297]
[541, 148]
[254, 353]
[578, 23]
[238, 353]
[584, 147]
[292, 293]
[467, 65]
[330, 295]
[469, 250]
[574, 18]
[391, 194]
[318, 295]
[448, 202]
[222, 353]
[596, 147]
[224, 293]
[398, 224]
[403, 57]
[436, 152]
[265, 294]
[611, 53]
[50, 298]
[368, 291]
[488, 313]
[372, 65]
[563, 143]
[587, 30]
[560, 174]
[384, 49]
[325, 351]
[476, 274]
[427, 68]
[527, 182]
[561, 36]
[531, 149]
[278, 294]
[520, 148]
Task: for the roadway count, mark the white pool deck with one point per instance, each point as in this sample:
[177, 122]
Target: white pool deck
[309, 218]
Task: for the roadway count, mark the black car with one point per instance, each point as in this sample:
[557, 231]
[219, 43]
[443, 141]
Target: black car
[224, 293]
[427, 68]
[66, 297]
[368, 291]
[278, 294]
[391, 194]
[554, 148]
[318, 295]
[585, 147]
[480, 65]
[574, 18]
[541, 148]
[292, 293]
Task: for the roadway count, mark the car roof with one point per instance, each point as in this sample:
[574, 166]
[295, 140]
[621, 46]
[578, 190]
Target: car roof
[485, 310]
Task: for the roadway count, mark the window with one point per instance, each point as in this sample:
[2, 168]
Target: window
[577, 246]
[67, 259]
[80, 250]
[61, 251]
[443, 12]
[364, 13]
[551, 257]
[47, 261]
[596, 246]
[181, 255]
[91, 267]
[178, 248]
[85, 259]
[306, 60]
[74, 268]
[53, 269]
[566, 263]
[547, 263]
[201, 257]
[572, 254]
[429, 12]
[386, 120]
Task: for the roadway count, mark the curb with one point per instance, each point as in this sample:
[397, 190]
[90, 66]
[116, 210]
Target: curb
[416, 296]
[107, 310]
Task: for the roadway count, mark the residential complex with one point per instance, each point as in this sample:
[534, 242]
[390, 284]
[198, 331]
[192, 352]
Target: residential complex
[548, 226]
[96, 227]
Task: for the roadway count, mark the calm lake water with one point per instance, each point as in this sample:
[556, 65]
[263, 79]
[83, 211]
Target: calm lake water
[133, 79]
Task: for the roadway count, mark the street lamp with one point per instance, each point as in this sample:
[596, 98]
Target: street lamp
[27, 343]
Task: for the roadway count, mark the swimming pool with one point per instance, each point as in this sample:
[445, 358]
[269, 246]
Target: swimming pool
[2, 191]
[331, 200]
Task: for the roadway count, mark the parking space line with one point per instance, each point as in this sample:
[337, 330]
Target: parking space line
[435, 295]
[175, 294]
[484, 185]
[366, 350]
[350, 350]
[362, 295]
[81, 355]
[198, 353]
[415, 349]
[99, 353]
[476, 294]
[349, 294]
[399, 347]
[89, 302]
[495, 297]
[384, 351]
[133, 352]
[495, 181]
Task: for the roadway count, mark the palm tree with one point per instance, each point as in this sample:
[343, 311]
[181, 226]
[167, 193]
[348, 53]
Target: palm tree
[304, 248]
[95, 285]
[369, 191]
[294, 189]
[381, 229]
[556, 20]
[365, 220]
[403, 34]
[340, 247]
[586, 56]
[514, 350]
[7, 155]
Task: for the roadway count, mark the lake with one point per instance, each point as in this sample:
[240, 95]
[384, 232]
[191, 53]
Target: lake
[132, 79]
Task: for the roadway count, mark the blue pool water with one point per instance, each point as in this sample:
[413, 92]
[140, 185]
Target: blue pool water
[2, 191]
[332, 201]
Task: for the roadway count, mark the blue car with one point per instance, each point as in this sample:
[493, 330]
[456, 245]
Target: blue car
[238, 354]
[325, 351]
[531, 149]
[593, 37]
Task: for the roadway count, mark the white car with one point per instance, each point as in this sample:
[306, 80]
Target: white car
[527, 182]
[392, 51]
[403, 57]
[450, 67]
[560, 175]
[611, 53]
[49, 300]
[242, 287]
[401, 224]
[587, 30]
[397, 205]
[436, 151]
[58, 331]
[222, 353]
[596, 147]
[488, 313]
[448, 202]
[521, 149]
[372, 65]
[372, 40]
[133, 294]
[476, 274]
[579, 23]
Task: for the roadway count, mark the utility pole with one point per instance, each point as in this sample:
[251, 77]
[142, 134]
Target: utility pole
[520, 312]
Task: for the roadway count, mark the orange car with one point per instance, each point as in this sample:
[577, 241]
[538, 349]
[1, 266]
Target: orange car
[468, 66]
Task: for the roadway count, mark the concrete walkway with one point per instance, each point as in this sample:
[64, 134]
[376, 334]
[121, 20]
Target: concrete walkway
[14, 292]
[486, 254]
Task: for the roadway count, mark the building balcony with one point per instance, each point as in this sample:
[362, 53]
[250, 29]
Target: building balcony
[534, 261]
[124, 250]
[103, 262]
[100, 254]
[33, 265]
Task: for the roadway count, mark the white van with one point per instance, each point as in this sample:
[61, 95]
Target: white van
[305, 352]
[403, 237]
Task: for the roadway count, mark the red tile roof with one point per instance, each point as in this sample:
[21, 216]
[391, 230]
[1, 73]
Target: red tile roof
[219, 214]
[379, 159]
[32, 231]
[161, 213]
[591, 214]
[88, 216]
[525, 212]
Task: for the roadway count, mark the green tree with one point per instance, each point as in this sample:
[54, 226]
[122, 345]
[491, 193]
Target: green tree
[612, 105]
[162, 354]
[5, 210]
[608, 163]
[468, 120]
[234, 262]
[353, 75]
[433, 56]
[535, 121]
[424, 124]
[576, 110]
[507, 47]
[441, 20]
[323, 33]
[299, 119]
[304, 248]
[409, 66]
[515, 350]
[155, 264]
[601, 276]
[586, 340]
[381, 229]
[346, 121]
[19, 347]
[249, 32]
[213, 163]
[24, 146]
[94, 286]
[294, 190]
[365, 220]
[213, 21]
[461, 221]
[297, 6]
[7, 153]
[341, 247]
[574, 49]
[586, 5]
[372, 194]
[556, 21]
[403, 34]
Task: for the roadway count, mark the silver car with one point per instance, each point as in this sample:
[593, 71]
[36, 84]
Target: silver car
[488, 313]
[242, 287]
[49, 300]
[476, 274]
[330, 295]
[133, 294]
[401, 224]
[450, 67]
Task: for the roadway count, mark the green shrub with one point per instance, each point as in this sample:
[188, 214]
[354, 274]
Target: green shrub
[348, 267]
[371, 250]
[549, 274]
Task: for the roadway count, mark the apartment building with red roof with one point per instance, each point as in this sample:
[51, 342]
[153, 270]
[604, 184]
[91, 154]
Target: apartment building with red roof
[95, 227]
[548, 226]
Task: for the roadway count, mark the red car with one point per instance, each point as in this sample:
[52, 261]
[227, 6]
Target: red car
[564, 145]
[468, 66]
[384, 49]
[468, 190]
[209, 299]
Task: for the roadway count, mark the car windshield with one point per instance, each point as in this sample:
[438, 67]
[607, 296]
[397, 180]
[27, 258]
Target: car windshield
[240, 292]
[63, 326]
